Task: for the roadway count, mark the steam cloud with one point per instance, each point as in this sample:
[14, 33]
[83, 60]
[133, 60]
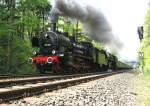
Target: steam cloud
[94, 22]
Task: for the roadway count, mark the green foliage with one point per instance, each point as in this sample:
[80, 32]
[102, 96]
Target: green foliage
[20, 51]
[19, 21]
[33, 15]
[65, 25]
[146, 43]
[97, 45]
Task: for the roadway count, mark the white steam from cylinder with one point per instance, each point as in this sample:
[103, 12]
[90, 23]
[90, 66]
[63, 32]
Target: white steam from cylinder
[94, 22]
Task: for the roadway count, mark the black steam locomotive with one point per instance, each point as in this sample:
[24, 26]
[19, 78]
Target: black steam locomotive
[60, 54]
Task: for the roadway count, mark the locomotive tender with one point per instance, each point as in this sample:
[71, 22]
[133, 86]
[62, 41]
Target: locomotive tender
[59, 54]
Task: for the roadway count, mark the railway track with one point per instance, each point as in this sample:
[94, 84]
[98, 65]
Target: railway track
[16, 80]
[17, 92]
[8, 76]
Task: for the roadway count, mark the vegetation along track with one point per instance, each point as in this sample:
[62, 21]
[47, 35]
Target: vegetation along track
[7, 94]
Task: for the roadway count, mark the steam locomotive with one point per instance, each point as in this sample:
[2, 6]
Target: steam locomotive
[60, 54]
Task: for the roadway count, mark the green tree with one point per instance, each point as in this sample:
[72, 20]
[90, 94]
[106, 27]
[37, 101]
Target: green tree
[146, 42]
[19, 21]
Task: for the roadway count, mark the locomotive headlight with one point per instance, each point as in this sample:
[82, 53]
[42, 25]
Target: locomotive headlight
[49, 60]
[30, 60]
[53, 51]
[34, 53]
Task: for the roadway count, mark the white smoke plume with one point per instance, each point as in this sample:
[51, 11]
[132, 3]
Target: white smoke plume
[94, 22]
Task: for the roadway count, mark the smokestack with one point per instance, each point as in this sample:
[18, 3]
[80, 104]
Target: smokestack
[53, 26]
[54, 18]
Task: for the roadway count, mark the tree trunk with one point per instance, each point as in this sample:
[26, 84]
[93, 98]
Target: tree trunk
[11, 7]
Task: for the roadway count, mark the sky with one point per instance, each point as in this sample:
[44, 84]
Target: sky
[124, 16]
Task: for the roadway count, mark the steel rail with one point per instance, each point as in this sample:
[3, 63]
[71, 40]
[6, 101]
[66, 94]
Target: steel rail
[10, 76]
[24, 80]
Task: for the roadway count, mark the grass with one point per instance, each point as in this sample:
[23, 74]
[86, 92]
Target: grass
[142, 89]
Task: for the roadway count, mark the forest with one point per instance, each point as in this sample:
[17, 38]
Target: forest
[20, 20]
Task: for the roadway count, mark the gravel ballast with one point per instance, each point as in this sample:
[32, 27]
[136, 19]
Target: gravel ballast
[116, 90]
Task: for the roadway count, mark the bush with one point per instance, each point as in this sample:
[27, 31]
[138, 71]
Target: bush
[19, 52]
[147, 70]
